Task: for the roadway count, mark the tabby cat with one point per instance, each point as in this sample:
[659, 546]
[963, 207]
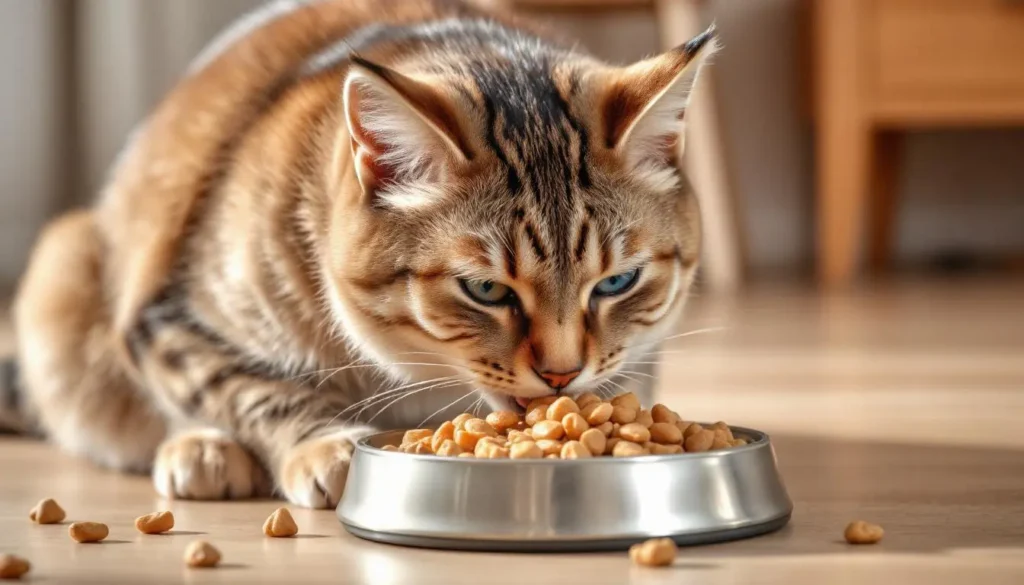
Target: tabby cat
[350, 215]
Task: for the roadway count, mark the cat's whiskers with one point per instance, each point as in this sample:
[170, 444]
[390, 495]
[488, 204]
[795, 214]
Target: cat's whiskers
[446, 406]
[635, 373]
[379, 395]
[406, 395]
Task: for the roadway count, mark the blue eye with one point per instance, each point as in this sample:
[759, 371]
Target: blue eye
[618, 284]
[487, 292]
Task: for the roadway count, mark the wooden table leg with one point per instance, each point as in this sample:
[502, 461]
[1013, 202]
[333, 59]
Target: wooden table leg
[706, 162]
[885, 178]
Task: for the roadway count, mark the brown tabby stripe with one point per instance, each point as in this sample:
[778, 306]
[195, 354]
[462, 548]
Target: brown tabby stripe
[581, 243]
[535, 243]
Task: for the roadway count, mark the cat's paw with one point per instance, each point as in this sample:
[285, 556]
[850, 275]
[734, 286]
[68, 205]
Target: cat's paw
[206, 465]
[313, 473]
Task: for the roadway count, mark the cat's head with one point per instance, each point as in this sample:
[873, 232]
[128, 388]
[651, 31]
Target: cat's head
[518, 215]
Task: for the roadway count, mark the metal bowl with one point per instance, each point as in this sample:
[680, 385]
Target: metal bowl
[603, 503]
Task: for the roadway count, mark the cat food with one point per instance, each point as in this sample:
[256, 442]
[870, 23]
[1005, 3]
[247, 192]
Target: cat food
[12, 567]
[155, 523]
[201, 554]
[861, 532]
[280, 524]
[47, 512]
[88, 531]
[656, 552]
[570, 429]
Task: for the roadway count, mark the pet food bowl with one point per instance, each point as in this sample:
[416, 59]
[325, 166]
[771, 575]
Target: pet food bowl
[532, 505]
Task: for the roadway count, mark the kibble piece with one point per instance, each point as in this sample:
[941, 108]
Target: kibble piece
[719, 442]
[623, 415]
[585, 399]
[421, 447]
[691, 429]
[606, 428]
[502, 420]
[488, 448]
[635, 432]
[535, 415]
[88, 531]
[658, 449]
[594, 440]
[443, 433]
[666, 434]
[548, 429]
[460, 420]
[13, 567]
[597, 413]
[861, 532]
[448, 449]
[201, 554]
[544, 401]
[624, 448]
[155, 523]
[643, 417]
[551, 456]
[414, 435]
[737, 442]
[561, 407]
[525, 450]
[629, 400]
[609, 445]
[575, 425]
[574, 450]
[663, 414]
[467, 440]
[515, 436]
[721, 427]
[699, 441]
[479, 425]
[47, 512]
[389, 448]
[657, 552]
[550, 447]
[616, 428]
[280, 524]
[467, 455]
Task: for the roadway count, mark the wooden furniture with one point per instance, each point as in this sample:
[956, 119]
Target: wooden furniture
[885, 66]
[707, 162]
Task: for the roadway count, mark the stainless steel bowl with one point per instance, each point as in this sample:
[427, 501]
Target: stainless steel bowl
[554, 505]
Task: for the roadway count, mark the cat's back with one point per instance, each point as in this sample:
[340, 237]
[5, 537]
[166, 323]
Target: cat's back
[182, 152]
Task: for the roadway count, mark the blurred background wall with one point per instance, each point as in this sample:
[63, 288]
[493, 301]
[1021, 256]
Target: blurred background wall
[78, 74]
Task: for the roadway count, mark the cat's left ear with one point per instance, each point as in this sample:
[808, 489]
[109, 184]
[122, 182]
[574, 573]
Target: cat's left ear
[644, 103]
[401, 127]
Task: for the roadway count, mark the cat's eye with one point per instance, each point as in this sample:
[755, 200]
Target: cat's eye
[488, 292]
[617, 284]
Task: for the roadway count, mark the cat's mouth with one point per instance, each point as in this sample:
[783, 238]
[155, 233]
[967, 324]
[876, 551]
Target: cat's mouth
[518, 403]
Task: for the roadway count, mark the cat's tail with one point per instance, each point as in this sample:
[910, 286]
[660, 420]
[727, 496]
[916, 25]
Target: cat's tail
[14, 418]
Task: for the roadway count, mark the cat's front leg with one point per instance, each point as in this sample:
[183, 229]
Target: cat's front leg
[313, 472]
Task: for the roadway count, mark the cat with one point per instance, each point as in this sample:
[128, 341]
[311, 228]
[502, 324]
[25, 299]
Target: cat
[351, 215]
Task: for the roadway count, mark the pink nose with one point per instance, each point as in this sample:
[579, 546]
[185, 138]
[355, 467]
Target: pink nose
[559, 380]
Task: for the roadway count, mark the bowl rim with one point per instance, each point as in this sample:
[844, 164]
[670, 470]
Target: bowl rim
[761, 441]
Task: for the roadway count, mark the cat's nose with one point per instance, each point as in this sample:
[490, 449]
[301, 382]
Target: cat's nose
[559, 380]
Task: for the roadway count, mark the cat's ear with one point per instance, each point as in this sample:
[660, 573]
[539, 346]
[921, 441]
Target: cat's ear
[644, 103]
[401, 128]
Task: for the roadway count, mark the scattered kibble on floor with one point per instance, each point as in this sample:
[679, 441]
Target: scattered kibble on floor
[280, 524]
[13, 567]
[656, 552]
[88, 531]
[861, 532]
[202, 554]
[47, 511]
[155, 523]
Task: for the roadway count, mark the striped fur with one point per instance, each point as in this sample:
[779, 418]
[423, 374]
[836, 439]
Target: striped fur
[284, 239]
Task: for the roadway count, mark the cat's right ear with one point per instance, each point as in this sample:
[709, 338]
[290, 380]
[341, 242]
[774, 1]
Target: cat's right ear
[401, 128]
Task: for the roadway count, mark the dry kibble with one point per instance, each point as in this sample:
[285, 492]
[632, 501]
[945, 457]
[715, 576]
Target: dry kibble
[691, 429]
[719, 442]
[389, 448]
[421, 447]
[488, 448]
[467, 440]
[623, 415]
[629, 400]
[47, 512]
[561, 407]
[519, 436]
[597, 413]
[525, 450]
[657, 552]
[643, 417]
[478, 425]
[737, 442]
[155, 523]
[550, 447]
[414, 435]
[449, 448]
[625, 448]
[663, 414]
[585, 399]
[609, 445]
[502, 420]
[658, 449]
[467, 455]
[13, 567]
[635, 432]
[666, 434]
[535, 415]
[575, 425]
[544, 401]
[551, 456]
[443, 433]
[700, 441]
[606, 428]
[548, 429]
[594, 440]
[616, 427]
[280, 524]
[202, 554]
[722, 428]
[574, 450]
[88, 531]
[460, 420]
[861, 532]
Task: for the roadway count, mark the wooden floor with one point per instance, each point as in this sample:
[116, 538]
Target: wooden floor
[901, 405]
